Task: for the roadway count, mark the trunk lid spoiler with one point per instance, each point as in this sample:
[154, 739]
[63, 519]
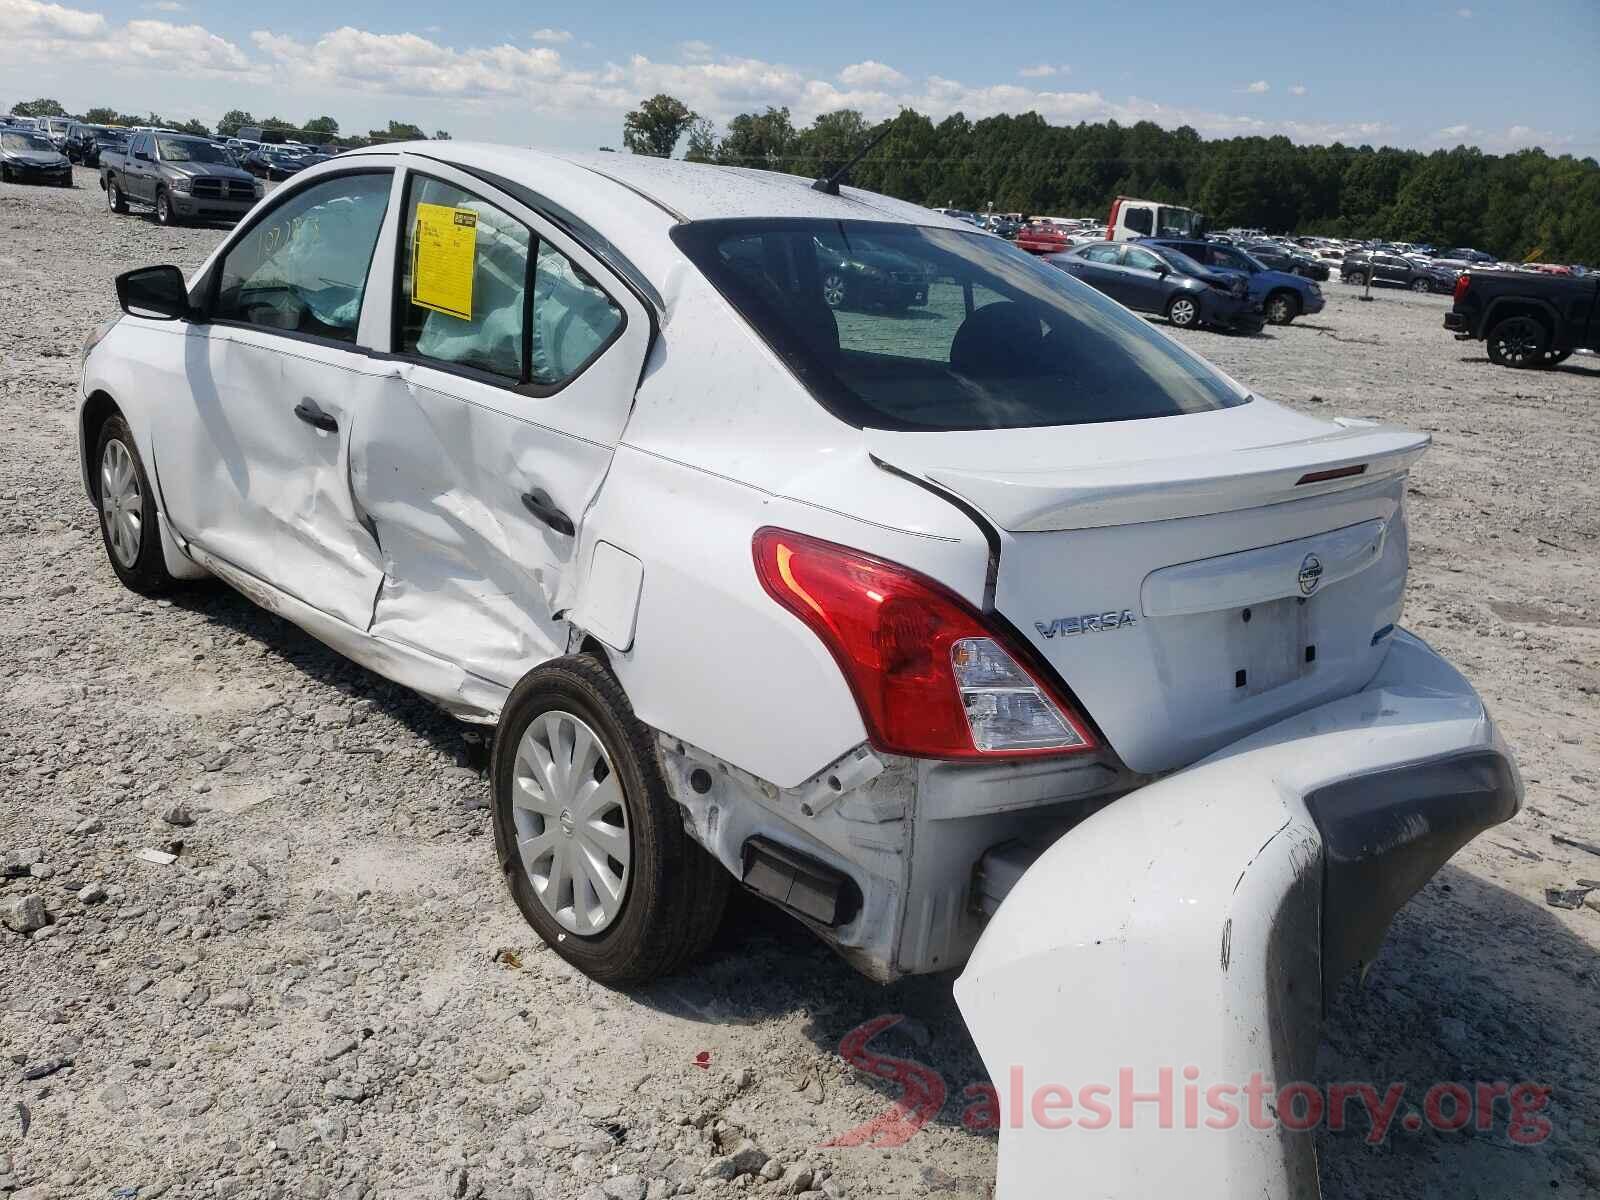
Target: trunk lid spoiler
[1120, 492]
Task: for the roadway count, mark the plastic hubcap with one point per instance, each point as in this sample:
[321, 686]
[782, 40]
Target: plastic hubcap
[121, 503]
[571, 823]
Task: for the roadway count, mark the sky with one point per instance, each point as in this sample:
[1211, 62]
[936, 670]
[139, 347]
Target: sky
[1498, 74]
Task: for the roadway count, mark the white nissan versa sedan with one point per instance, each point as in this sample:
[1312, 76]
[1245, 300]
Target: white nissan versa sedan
[967, 617]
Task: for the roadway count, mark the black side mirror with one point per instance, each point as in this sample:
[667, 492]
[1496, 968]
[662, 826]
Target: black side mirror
[156, 292]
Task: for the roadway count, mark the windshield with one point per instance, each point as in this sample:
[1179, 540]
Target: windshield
[1237, 259]
[1181, 262]
[191, 150]
[1178, 222]
[110, 137]
[899, 327]
[12, 140]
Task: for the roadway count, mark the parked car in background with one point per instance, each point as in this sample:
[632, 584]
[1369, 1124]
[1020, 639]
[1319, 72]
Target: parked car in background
[868, 278]
[1155, 279]
[1396, 269]
[273, 163]
[1086, 235]
[181, 176]
[1465, 254]
[1041, 235]
[1282, 296]
[1290, 260]
[1527, 320]
[1002, 226]
[28, 156]
[56, 129]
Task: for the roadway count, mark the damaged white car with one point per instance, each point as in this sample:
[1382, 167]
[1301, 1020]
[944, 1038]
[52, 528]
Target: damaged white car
[805, 538]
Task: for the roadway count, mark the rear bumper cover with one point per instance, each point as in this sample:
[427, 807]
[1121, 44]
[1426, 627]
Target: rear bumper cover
[1198, 925]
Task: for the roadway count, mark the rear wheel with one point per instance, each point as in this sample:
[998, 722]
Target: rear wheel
[1519, 342]
[1356, 278]
[1282, 307]
[115, 200]
[128, 512]
[591, 845]
[1183, 312]
[1421, 285]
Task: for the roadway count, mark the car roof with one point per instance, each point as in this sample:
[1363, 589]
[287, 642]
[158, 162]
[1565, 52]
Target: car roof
[688, 191]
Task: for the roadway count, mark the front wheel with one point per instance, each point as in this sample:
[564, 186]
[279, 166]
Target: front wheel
[1421, 286]
[1282, 308]
[128, 512]
[1183, 312]
[115, 200]
[591, 845]
[1519, 342]
[1355, 278]
[164, 211]
[834, 289]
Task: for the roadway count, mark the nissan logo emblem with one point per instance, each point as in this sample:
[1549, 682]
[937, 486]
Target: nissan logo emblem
[1310, 574]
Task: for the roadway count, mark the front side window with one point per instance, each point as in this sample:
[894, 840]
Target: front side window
[477, 289]
[303, 268]
[1137, 219]
[1142, 260]
[1103, 254]
[947, 330]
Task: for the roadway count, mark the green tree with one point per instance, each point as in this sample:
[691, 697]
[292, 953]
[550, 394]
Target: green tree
[101, 116]
[195, 127]
[324, 127]
[702, 141]
[656, 125]
[399, 131]
[38, 108]
[441, 135]
[764, 139]
[234, 120]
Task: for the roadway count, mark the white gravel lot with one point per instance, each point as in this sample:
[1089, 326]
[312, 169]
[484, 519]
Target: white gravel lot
[330, 994]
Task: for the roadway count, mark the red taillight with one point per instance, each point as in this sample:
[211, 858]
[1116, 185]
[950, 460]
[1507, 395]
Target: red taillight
[901, 640]
[1463, 282]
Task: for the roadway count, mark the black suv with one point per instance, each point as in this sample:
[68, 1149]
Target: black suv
[1383, 267]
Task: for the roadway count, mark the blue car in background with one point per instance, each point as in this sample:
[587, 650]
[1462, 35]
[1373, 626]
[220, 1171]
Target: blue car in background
[1282, 296]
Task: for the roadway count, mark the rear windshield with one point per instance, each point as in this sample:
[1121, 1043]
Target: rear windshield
[899, 327]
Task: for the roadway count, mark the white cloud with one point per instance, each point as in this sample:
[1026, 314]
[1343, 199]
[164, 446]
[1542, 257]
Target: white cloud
[163, 6]
[870, 74]
[27, 19]
[1454, 131]
[558, 36]
[1500, 141]
[411, 65]
[1298, 89]
[1043, 71]
[1258, 87]
[695, 50]
[38, 32]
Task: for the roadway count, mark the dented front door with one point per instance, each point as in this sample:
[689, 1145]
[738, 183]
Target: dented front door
[496, 432]
[252, 435]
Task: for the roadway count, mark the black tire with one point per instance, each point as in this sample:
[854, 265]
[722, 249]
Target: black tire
[165, 215]
[1183, 311]
[142, 570]
[1355, 278]
[1421, 286]
[1519, 342]
[115, 200]
[1556, 357]
[675, 892]
[1282, 308]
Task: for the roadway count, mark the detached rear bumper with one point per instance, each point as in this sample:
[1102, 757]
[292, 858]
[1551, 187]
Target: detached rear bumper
[1196, 926]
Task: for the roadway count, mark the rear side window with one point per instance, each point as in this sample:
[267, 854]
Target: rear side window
[1103, 254]
[303, 268]
[900, 327]
[479, 290]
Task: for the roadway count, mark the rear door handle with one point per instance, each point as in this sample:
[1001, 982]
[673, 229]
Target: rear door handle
[538, 502]
[312, 415]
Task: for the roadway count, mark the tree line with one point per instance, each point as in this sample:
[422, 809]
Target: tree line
[322, 130]
[1526, 205]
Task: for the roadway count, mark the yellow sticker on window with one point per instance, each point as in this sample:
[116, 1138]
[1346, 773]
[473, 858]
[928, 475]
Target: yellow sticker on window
[443, 247]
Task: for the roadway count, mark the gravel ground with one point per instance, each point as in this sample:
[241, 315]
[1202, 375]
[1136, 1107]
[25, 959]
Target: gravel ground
[330, 994]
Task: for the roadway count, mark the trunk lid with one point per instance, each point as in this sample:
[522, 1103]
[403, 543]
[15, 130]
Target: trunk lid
[1191, 578]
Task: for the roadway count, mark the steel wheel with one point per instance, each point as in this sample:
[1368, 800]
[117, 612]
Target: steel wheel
[163, 209]
[572, 822]
[1280, 310]
[121, 503]
[1182, 312]
[833, 289]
